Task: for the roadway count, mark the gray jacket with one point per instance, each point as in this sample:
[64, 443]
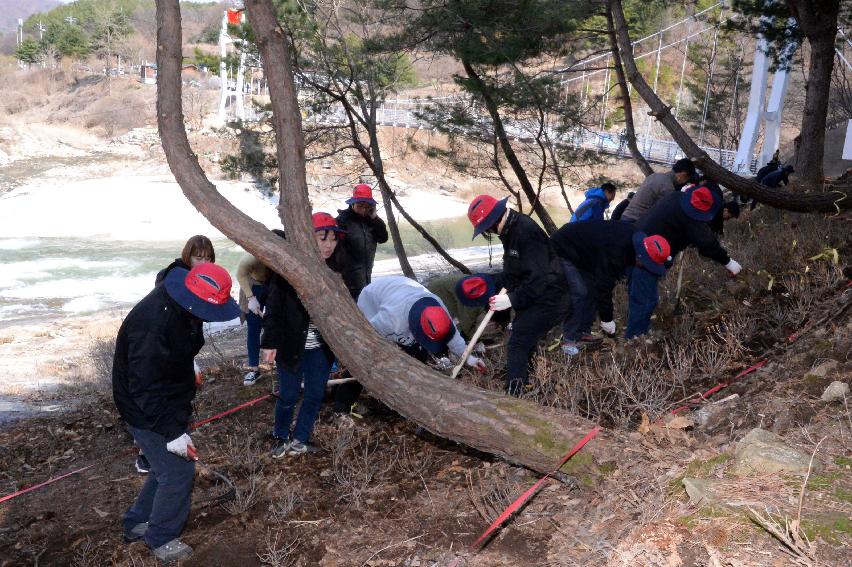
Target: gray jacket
[655, 187]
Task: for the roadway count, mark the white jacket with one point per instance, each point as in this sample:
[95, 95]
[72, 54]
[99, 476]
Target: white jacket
[386, 303]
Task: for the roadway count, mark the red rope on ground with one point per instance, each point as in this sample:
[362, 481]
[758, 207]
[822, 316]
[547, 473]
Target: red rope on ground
[513, 507]
[720, 386]
[45, 483]
[198, 424]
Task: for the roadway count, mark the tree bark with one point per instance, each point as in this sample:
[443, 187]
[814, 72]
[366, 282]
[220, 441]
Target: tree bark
[811, 201]
[511, 157]
[818, 22]
[627, 104]
[514, 429]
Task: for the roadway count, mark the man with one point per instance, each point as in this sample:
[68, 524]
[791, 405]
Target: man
[537, 290]
[597, 201]
[619, 208]
[775, 179]
[153, 383]
[730, 210]
[408, 314]
[465, 297]
[595, 255]
[656, 186]
[683, 219]
[364, 231]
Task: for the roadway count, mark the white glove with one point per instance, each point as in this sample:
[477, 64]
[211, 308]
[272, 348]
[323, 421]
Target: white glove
[499, 302]
[182, 447]
[254, 306]
[608, 327]
[479, 348]
[476, 363]
[734, 267]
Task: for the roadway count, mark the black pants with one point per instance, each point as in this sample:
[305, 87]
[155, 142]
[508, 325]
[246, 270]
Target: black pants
[528, 327]
[346, 394]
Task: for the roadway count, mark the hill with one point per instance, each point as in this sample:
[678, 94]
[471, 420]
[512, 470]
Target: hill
[11, 10]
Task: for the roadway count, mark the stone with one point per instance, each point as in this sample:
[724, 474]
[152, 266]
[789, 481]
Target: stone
[762, 451]
[823, 369]
[708, 492]
[836, 391]
[717, 414]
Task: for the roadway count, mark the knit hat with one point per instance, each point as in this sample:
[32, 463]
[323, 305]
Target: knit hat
[652, 252]
[430, 324]
[475, 290]
[204, 291]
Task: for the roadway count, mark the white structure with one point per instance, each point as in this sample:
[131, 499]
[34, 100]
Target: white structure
[231, 90]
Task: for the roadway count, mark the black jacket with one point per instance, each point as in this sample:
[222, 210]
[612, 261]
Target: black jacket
[667, 219]
[601, 250]
[531, 272]
[619, 210]
[161, 275]
[359, 245]
[153, 378]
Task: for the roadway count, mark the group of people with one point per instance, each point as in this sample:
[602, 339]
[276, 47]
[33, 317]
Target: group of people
[564, 279]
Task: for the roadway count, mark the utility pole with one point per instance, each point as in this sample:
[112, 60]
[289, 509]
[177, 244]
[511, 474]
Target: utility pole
[40, 27]
[70, 20]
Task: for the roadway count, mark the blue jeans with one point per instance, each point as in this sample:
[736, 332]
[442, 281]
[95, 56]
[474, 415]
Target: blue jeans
[164, 499]
[583, 303]
[314, 369]
[642, 299]
[253, 326]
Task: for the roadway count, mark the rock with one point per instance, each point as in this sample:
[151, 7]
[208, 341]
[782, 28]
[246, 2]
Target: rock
[762, 451]
[706, 492]
[837, 390]
[823, 369]
[717, 414]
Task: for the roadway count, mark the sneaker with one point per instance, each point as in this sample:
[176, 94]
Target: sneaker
[280, 448]
[570, 348]
[251, 377]
[299, 448]
[172, 551]
[135, 533]
[142, 464]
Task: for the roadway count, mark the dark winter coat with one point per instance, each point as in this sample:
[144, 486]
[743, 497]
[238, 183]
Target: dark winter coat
[619, 210]
[765, 170]
[669, 221]
[153, 378]
[593, 207]
[161, 275]
[602, 250]
[359, 245]
[532, 273]
[775, 179]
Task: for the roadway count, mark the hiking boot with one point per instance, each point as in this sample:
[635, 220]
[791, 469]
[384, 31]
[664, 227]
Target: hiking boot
[570, 348]
[135, 533]
[142, 464]
[280, 448]
[172, 551]
[251, 377]
[299, 448]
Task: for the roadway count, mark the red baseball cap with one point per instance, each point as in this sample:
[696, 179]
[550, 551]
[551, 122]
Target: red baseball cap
[484, 211]
[362, 193]
[204, 291]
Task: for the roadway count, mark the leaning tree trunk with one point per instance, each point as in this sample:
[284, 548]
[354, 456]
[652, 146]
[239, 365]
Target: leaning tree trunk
[514, 429]
[626, 103]
[808, 202]
[508, 151]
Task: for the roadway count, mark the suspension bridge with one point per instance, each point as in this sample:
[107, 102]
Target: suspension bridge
[591, 80]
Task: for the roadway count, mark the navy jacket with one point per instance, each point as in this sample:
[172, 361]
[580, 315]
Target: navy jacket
[668, 220]
[601, 251]
[531, 270]
[363, 235]
[153, 377]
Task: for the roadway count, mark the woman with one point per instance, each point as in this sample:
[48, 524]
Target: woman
[197, 250]
[298, 349]
[253, 277]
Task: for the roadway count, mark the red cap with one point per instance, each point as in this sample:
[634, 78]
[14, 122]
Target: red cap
[209, 282]
[362, 191]
[435, 322]
[658, 248]
[324, 221]
[474, 287]
[484, 211]
[702, 199]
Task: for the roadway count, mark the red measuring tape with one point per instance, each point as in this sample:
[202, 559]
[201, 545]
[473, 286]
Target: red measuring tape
[83, 469]
[513, 507]
[721, 386]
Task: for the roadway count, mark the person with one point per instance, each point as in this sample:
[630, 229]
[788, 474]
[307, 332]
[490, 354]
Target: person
[595, 255]
[656, 186]
[681, 218]
[597, 201]
[365, 230]
[772, 165]
[253, 277]
[298, 349]
[730, 210]
[404, 312]
[153, 385]
[619, 208]
[197, 250]
[532, 275]
[775, 179]
[465, 297]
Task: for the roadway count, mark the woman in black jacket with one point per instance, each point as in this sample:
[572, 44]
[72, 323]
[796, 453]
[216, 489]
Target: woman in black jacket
[298, 349]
